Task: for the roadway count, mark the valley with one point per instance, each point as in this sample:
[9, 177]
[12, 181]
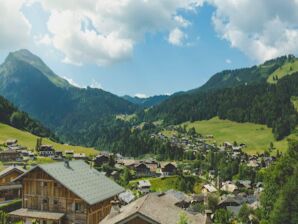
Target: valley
[28, 140]
[205, 147]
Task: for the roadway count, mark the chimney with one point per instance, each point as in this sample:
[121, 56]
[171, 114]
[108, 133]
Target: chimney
[66, 163]
[115, 210]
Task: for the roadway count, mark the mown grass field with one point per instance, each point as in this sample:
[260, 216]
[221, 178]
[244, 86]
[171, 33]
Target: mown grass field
[286, 69]
[29, 140]
[159, 184]
[256, 137]
[164, 184]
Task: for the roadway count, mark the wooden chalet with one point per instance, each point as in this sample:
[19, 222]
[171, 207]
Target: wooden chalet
[142, 170]
[101, 159]
[65, 193]
[46, 151]
[9, 155]
[168, 169]
[10, 190]
[153, 208]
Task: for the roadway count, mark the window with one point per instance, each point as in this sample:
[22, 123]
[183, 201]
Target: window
[44, 201]
[77, 207]
[55, 202]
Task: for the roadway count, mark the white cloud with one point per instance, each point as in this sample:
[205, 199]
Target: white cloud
[95, 85]
[228, 61]
[105, 31]
[14, 27]
[259, 28]
[72, 82]
[141, 95]
[43, 39]
[177, 37]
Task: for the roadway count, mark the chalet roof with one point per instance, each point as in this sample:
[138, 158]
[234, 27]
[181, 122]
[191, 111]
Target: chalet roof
[155, 207]
[87, 183]
[10, 169]
[28, 213]
[126, 196]
[229, 187]
[210, 188]
[144, 183]
[180, 196]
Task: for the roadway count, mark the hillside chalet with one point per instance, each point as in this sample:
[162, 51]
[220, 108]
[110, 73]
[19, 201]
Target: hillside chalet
[168, 169]
[8, 189]
[65, 193]
[142, 170]
[9, 155]
[152, 208]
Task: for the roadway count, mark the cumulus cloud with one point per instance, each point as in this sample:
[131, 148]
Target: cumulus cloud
[96, 85]
[141, 95]
[259, 28]
[105, 31]
[72, 82]
[14, 27]
[43, 39]
[177, 37]
[228, 61]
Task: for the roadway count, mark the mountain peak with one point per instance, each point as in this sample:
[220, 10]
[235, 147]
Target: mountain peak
[28, 57]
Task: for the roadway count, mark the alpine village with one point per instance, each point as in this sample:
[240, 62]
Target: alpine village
[225, 152]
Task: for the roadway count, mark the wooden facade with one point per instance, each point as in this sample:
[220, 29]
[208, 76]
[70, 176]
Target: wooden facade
[9, 155]
[43, 193]
[7, 178]
[9, 190]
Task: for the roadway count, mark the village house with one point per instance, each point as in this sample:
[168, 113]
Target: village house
[9, 155]
[228, 186]
[101, 159]
[46, 151]
[69, 153]
[168, 169]
[65, 193]
[144, 186]
[126, 197]
[8, 189]
[153, 165]
[9, 142]
[208, 188]
[142, 170]
[153, 208]
[78, 156]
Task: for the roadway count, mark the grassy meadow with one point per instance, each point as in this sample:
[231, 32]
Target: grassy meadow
[257, 137]
[29, 140]
[286, 69]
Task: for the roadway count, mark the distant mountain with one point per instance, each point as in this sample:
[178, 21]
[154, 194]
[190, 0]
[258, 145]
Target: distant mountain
[260, 94]
[20, 120]
[146, 102]
[32, 86]
[254, 75]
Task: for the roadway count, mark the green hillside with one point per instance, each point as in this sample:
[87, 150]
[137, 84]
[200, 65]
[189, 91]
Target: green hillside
[29, 140]
[288, 68]
[29, 84]
[256, 137]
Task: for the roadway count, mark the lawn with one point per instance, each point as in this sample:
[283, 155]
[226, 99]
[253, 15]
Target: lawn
[256, 137]
[159, 184]
[29, 140]
[286, 69]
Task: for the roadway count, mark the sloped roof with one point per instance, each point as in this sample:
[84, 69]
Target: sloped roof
[158, 208]
[10, 169]
[210, 188]
[87, 183]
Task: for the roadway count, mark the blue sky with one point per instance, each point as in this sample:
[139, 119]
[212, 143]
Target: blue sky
[143, 57]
